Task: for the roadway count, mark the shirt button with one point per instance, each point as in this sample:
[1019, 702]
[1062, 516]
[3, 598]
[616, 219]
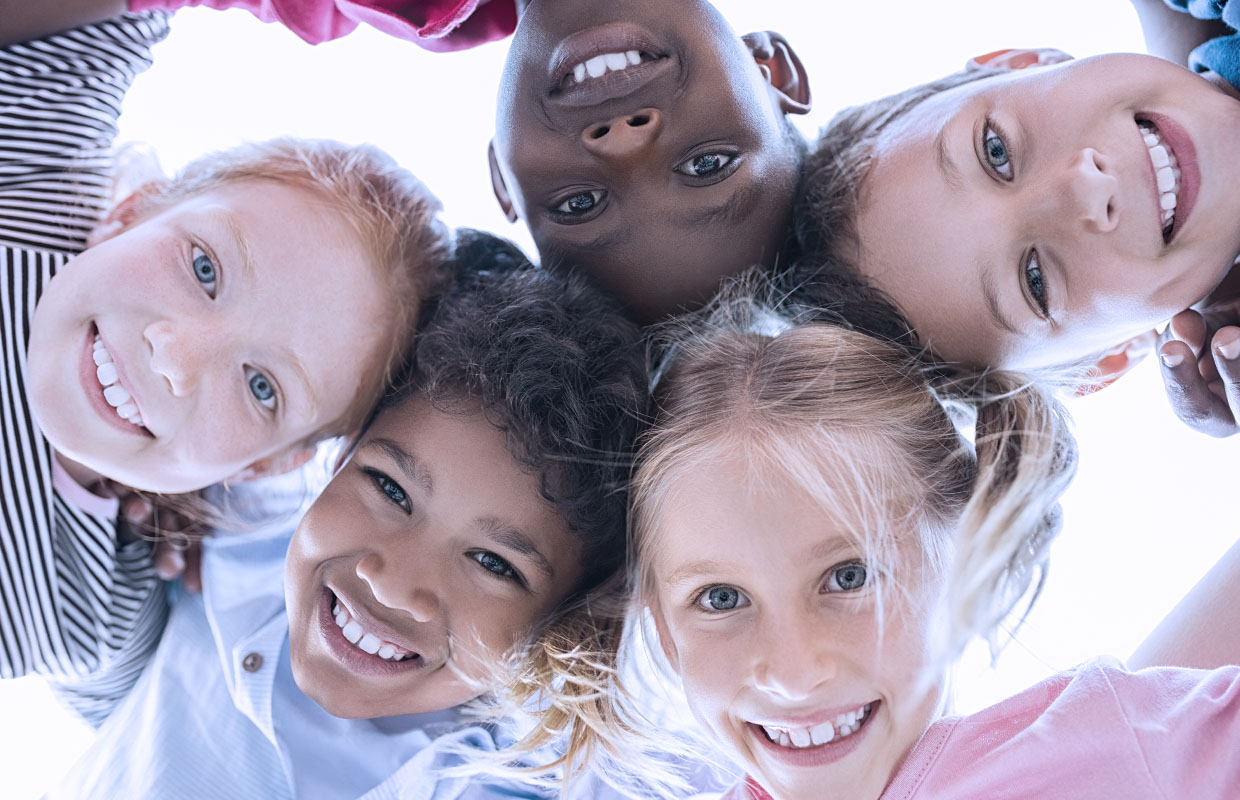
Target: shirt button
[252, 662]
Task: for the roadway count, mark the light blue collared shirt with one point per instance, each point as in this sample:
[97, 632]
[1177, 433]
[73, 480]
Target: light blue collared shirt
[217, 713]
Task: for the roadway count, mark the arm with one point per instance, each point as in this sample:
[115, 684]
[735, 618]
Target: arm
[25, 20]
[1204, 629]
[1173, 34]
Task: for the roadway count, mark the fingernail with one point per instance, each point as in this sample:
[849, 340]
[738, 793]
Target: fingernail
[1229, 350]
[1171, 360]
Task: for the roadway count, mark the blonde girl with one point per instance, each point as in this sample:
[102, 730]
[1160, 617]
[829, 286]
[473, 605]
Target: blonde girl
[217, 326]
[815, 541]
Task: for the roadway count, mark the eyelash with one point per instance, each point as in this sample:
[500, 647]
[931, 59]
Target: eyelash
[731, 162]
[386, 487]
[1031, 264]
[991, 131]
[509, 572]
[569, 217]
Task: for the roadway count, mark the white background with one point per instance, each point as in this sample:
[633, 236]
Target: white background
[1146, 515]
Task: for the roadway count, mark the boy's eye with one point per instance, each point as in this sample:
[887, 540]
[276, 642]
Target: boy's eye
[580, 203]
[389, 488]
[722, 598]
[497, 566]
[705, 164]
[204, 270]
[1035, 281]
[847, 577]
[261, 388]
[996, 151]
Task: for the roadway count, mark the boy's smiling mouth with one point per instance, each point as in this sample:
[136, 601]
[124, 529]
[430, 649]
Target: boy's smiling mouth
[605, 63]
[365, 641]
[351, 642]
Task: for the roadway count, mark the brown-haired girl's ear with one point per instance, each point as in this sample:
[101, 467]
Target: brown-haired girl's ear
[278, 464]
[125, 213]
[1017, 58]
[499, 185]
[782, 68]
[1116, 361]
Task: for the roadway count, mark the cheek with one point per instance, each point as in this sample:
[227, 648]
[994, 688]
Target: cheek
[713, 672]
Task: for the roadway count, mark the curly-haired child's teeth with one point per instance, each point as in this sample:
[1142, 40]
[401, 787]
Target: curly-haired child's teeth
[117, 396]
[830, 731]
[600, 65]
[357, 636]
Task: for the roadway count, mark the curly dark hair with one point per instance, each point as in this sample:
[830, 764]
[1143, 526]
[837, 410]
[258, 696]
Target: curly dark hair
[557, 367]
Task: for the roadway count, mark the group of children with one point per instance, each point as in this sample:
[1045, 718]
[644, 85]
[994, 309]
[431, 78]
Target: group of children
[826, 482]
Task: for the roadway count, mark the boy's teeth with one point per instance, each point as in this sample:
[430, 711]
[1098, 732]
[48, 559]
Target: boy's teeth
[364, 641]
[830, 731]
[600, 65]
[117, 396]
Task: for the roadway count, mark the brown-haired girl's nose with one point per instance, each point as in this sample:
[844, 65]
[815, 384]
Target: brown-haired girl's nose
[625, 136]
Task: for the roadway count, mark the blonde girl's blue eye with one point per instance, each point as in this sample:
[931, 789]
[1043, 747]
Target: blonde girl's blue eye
[1035, 282]
[261, 388]
[996, 151]
[204, 270]
[722, 598]
[704, 165]
[850, 577]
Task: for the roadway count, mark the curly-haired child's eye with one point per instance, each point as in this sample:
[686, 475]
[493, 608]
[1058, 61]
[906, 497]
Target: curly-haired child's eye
[204, 270]
[847, 577]
[996, 151]
[497, 566]
[389, 488]
[722, 598]
[580, 203]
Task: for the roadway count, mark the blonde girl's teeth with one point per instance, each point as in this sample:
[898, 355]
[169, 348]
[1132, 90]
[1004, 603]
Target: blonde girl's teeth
[127, 410]
[116, 395]
[1166, 180]
[800, 737]
[1167, 201]
[1158, 155]
[101, 356]
[106, 373]
[369, 643]
[387, 651]
[822, 733]
[352, 631]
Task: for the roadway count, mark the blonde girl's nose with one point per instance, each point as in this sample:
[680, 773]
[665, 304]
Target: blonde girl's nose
[1093, 191]
[624, 137]
[795, 661]
[398, 588]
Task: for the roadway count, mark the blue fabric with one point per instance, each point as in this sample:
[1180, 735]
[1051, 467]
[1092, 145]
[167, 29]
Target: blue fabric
[199, 725]
[1222, 54]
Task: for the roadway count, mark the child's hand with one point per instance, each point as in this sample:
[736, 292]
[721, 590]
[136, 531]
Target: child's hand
[1200, 358]
[177, 548]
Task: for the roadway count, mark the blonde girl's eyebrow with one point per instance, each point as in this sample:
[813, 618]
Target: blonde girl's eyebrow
[237, 237]
[952, 174]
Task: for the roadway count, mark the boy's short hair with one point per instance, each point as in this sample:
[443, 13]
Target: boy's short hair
[557, 367]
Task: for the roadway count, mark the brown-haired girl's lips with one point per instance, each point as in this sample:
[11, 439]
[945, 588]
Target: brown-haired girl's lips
[581, 47]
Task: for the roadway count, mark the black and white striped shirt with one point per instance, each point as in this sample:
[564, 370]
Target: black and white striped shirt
[77, 605]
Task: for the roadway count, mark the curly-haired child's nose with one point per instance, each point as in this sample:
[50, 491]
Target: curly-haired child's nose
[624, 136]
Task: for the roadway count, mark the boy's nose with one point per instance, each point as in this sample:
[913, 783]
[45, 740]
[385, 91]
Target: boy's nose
[396, 588]
[625, 136]
[1093, 192]
[176, 353]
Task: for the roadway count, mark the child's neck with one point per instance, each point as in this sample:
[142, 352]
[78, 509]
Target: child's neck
[84, 476]
[1223, 84]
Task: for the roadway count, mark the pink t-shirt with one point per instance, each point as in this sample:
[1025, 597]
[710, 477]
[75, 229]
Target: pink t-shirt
[439, 25]
[1095, 733]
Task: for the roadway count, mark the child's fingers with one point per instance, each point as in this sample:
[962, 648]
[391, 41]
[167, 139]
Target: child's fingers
[1190, 328]
[1226, 347]
[1190, 395]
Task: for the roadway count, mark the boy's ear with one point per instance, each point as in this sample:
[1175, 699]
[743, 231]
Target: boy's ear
[278, 464]
[124, 213]
[499, 186]
[1017, 58]
[782, 68]
[1116, 361]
